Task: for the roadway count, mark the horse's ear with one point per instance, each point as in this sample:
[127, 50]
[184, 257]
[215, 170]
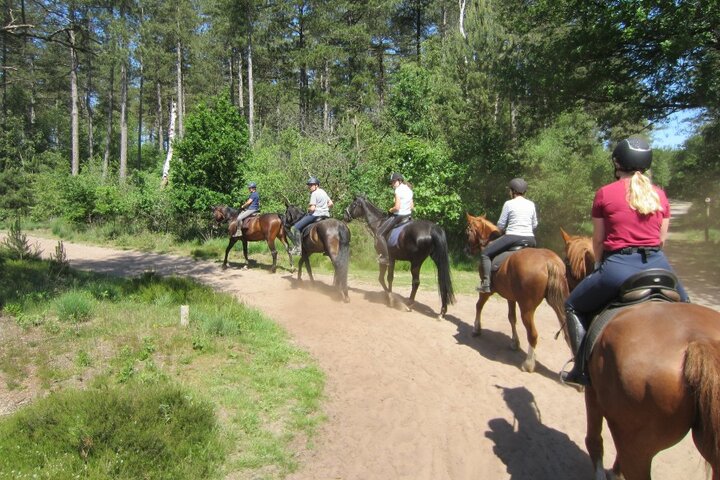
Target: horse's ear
[468, 216]
[564, 234]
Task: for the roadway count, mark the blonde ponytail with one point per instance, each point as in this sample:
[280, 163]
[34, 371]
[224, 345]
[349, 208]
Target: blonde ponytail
[642, 196]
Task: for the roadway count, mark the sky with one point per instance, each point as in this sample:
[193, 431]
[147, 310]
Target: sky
[673, 132]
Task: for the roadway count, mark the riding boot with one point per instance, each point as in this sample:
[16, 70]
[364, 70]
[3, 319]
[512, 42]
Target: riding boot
[486, 269]
[382, 248]
[296, 236]
[577, 376]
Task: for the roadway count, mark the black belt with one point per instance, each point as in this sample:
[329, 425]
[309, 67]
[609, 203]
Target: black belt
[630, 250]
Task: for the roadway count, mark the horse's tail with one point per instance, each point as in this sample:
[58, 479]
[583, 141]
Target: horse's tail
[342, 261]
[702, 374]
[442, 261]
[557, 289]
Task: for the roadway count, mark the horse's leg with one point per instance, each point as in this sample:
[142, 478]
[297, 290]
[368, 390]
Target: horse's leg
[390, 277]
[527, 314]
[415, 271]
[482, 299]
[593, 436]
[307, 265]
[245, 252]
[273, 252]
[231, 244]
[512, 318]
[300, 266]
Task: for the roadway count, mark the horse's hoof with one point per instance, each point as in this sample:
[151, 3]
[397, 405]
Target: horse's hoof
[528, 367]
[408, 308]
[514, 346]
[224, 266]
[245, 267]
[477, 333]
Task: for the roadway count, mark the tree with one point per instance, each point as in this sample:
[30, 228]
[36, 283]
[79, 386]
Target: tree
[210, 161]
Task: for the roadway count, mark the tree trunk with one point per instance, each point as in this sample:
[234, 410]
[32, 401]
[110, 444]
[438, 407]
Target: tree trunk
[251, 98]
[168, 157]
[231, 65]
[74, 115]
[89, 109]
[159, 117]
[241, 100]
[122, 173]
[326, 90]
[462, 4]
[140, 117]
[180, 102]
[108, 136]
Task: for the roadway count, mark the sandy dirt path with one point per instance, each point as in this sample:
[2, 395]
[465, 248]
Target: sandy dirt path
[409, 396]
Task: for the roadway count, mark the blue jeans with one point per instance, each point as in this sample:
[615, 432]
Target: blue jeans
[306, 220]
[603, 285]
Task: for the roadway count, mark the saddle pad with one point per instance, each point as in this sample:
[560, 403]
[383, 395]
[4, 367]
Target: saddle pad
[498, 260]
[392, 239]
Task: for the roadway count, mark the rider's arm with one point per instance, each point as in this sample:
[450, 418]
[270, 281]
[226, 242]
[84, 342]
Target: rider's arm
[598, 237]
[503, 220]
[247, 202]
[395, 208]
[664, 226]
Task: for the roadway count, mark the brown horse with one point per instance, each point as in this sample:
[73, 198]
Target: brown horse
[266, 226]
[525, 278]
[330, 237]
[654, 376]
[579, 257]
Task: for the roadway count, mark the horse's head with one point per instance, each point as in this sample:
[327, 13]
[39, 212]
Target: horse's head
[292, 214]
[356, 209]
[579, 257]
[479, 232]
[218, 212]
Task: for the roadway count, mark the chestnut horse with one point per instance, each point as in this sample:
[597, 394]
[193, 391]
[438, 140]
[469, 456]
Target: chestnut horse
[266, 226]
[654, 376]
[524, 278]
[330, 237]
[418, 240]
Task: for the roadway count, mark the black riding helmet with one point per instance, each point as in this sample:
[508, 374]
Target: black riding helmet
[313, 181]
[633, 154]
[518, 185]
[396, 177]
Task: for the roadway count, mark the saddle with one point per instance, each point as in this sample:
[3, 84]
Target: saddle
[394, 234]
[500, 258]
[247, 219]
[653, 285]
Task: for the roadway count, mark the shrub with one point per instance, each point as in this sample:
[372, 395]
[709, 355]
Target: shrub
[74, 306]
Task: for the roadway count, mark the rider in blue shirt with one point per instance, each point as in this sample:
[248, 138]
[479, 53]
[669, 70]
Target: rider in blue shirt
[250, 207]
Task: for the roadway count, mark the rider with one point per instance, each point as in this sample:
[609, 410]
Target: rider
[251, 206]
[400, 211]
[517, 221]
[319, 208]
[630, 223]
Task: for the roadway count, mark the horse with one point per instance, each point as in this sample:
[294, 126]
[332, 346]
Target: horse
[266, 226]
[654, 375]
[418, 240]
[579, 257]
[525, 278]
[330, 237]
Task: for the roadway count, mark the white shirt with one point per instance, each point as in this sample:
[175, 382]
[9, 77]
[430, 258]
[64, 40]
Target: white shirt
[321, 200]
[405, 195]
[518, 217]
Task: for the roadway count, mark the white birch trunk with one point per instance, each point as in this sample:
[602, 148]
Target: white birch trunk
[462, 4]
[168, 157]
[74, 115]
[159, 117]
[241, 100]
[122, 173]
[180, 100]
[251, 95]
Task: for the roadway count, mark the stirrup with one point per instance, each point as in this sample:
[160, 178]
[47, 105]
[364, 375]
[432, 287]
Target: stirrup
[484, 287]
[577, 383]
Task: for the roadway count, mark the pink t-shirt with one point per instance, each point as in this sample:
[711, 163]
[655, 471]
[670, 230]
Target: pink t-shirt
[625, 227]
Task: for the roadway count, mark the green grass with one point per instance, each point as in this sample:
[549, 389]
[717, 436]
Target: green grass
[124, 381]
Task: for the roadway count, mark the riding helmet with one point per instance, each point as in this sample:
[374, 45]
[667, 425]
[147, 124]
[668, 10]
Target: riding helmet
[633, 154]
[252, 185]
[518, 185]
[313, 181]
[396, 177]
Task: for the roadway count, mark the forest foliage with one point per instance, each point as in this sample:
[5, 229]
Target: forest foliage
[459, 96]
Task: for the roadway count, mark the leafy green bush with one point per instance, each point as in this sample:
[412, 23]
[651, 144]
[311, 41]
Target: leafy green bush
[210, 159]
[142, 431]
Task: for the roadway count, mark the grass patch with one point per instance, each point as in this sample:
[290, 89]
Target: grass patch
[63, 332]
[147, 431]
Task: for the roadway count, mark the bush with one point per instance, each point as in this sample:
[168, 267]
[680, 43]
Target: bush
[74, 306]
[142, 431]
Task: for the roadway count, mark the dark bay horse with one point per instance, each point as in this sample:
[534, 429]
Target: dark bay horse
[330, 237]
[654, 376]
[266, 226]
[418, 240]
[525, 278]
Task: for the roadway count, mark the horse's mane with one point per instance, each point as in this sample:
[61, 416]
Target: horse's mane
[579, 255]
[486, 228]
[371, 206]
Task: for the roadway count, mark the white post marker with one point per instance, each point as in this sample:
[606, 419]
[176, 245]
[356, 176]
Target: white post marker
[184, 315]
